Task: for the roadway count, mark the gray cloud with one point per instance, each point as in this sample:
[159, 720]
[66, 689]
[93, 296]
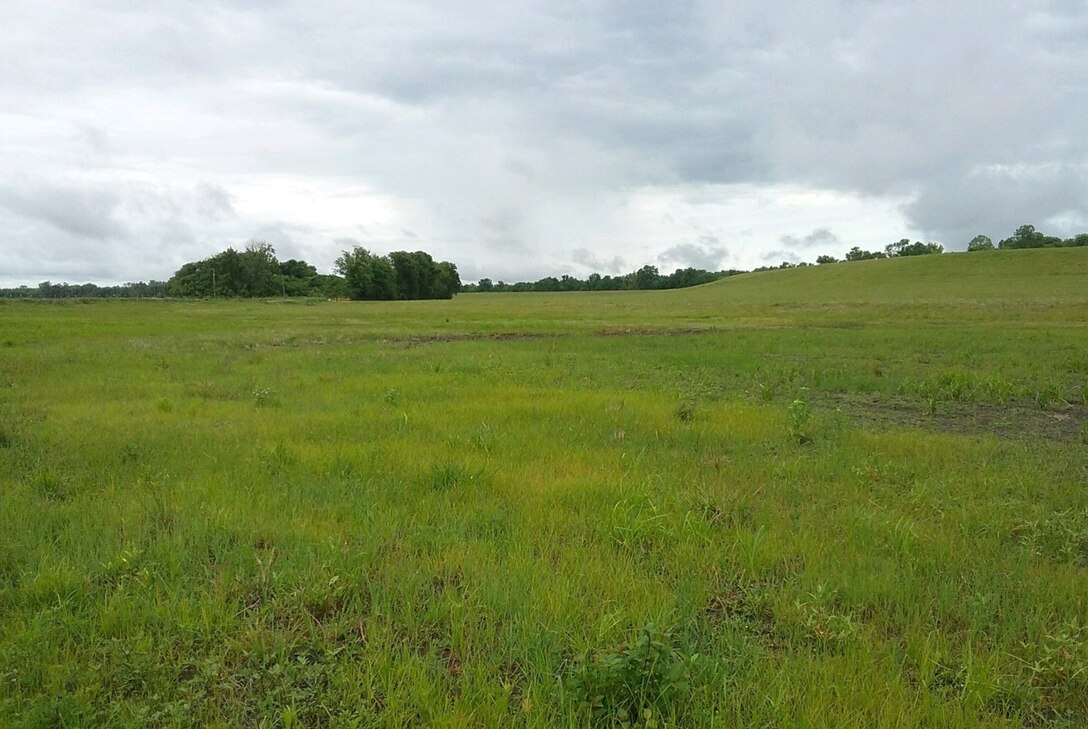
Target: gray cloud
[80, 212]
[505, 136]
[781, 257]
[998, 199]
[708, 256]
[595, 264]
[820, 237]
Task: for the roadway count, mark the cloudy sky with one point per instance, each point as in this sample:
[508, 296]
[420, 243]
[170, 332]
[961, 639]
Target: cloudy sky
[520, 139]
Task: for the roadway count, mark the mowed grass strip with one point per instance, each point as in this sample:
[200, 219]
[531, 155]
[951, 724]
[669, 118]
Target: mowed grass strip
[283, 514]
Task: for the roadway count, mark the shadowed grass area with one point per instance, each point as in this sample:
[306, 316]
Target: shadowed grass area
[684, 508]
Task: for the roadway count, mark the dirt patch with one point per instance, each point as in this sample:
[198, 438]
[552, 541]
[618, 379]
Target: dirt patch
[419, 339]
[1009, 420]
[654, 332]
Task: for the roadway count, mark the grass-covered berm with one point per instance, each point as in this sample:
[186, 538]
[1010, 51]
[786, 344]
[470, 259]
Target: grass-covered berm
[852, 495]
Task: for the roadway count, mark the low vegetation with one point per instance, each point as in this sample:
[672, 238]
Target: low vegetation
[847, 495]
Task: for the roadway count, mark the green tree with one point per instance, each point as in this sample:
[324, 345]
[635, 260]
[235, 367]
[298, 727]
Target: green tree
[367, 276]
[1027, 237]
[647, 277]
[904, 247]
[980, 243]
[857, 254]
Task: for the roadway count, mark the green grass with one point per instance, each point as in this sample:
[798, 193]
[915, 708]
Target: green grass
[850, 495]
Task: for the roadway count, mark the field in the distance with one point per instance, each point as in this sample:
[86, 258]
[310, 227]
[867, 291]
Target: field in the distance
[851, 495]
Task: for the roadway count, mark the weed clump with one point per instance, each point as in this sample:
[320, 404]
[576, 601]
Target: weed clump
[685, 411]
[1059, 669]
[800, 414]
[634, 684]
[263, 397]
[52, 486]
[448, 476]
[1060, 537]
[821, 625]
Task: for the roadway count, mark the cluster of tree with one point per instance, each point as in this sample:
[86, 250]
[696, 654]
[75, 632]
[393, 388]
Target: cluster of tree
[1027, 237]
[902, 247]
[647, 277]
[252, 272]
[50, 290]
[399, 275]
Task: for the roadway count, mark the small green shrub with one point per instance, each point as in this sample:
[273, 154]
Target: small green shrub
[800, 414]
[262, 397]
[633, 684]
[821, 623]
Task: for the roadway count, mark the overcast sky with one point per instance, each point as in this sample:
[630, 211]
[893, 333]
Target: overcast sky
[521, 139]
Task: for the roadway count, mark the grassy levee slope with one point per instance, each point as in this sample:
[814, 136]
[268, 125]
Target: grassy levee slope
[846, 495]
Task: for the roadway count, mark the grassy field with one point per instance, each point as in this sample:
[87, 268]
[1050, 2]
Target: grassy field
[846, 496]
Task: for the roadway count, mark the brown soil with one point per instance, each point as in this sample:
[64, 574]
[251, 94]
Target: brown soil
[1006, 421]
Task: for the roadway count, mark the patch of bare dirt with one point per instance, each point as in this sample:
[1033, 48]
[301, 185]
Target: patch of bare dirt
[1009, 420]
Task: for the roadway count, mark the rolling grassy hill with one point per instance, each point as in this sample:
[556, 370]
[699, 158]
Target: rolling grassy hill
[1038, 275]
[846, 495]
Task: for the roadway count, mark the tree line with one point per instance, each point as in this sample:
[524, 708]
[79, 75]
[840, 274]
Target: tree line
[1026, 236]
[360, 274]
[50, 290]
[645, 278]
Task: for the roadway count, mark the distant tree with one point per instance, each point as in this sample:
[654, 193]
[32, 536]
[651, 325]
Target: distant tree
[253, 271]
[570, 283]
[548, 283]
[258, 272]
[406, 268]
[647, 277]
[446, 282]
[826, 259]
[330, 286]
[400, 275]
[1077, 241]
[367, 276]
[980, 243]
[857, 254]
[904, 247]
[1026, 236]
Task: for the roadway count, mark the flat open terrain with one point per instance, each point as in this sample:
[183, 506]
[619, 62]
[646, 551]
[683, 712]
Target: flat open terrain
[851, 495]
